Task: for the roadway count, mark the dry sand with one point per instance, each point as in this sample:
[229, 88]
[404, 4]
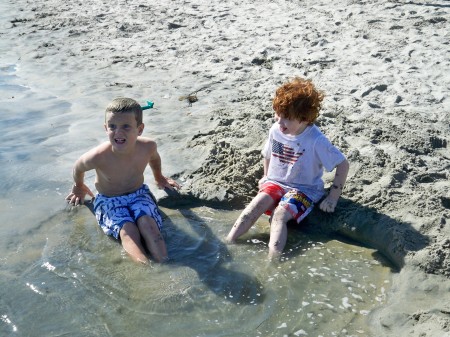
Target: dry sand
[384, 66]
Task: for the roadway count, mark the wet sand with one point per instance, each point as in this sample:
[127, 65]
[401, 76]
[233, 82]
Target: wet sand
[383, 65]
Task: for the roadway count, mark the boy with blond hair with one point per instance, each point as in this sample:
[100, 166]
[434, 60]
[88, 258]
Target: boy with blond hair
[124, 206]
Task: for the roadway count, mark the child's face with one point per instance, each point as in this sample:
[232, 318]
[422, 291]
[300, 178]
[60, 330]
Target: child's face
[122, 130]
[291, 127]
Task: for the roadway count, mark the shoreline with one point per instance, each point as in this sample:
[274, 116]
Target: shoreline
[386, 82]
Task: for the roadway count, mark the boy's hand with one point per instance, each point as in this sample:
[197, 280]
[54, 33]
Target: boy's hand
[328, 204]
[164, 182]
[76, 197]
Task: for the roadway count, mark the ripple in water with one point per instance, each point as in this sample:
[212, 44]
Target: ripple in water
[81, 283]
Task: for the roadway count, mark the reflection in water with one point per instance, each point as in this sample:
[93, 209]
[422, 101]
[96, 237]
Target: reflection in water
[68, 278]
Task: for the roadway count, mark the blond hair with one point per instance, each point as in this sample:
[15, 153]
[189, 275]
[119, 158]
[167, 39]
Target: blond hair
[125, 105]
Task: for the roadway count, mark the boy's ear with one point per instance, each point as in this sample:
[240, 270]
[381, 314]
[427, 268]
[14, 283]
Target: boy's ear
[106, 128]
[140, 129]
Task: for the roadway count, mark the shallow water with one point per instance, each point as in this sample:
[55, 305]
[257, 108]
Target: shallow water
[67, 278]
[59, 275]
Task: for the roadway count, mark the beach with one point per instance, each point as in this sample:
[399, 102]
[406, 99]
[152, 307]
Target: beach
[383, 66]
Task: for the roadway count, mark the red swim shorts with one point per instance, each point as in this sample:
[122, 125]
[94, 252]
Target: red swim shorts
[295, 202]
[275, 191]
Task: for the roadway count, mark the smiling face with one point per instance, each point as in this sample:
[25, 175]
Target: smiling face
[122, 130]
[291, 126]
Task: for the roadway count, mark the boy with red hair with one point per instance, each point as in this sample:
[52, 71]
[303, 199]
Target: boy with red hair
[295, 155]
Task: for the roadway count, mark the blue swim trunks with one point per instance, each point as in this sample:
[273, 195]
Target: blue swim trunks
[113, 212]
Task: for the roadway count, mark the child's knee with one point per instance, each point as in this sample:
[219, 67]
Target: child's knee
[282, 213]
[146, 222]
[129, 229]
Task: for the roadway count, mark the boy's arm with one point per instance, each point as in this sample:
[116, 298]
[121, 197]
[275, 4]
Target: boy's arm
[330, 202]
[155, 164]
[266, 162]
[79, 189]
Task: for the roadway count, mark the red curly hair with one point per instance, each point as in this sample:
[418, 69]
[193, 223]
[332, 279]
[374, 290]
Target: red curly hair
[298, 99]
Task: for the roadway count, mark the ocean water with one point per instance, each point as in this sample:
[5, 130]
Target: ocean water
[61, 276]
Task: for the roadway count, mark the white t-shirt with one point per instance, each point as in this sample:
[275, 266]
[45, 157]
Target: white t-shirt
[298, 161]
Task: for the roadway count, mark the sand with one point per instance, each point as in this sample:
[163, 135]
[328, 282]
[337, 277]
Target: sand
[384, 66]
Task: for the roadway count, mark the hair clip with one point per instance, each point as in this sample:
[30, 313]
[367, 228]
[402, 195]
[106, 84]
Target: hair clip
[148, 106]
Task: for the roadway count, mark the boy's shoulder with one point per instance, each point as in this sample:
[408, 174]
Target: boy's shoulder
[145, 146]
[145, 142]
[144, 139]
[98, 151]
[101, 148]
[96, 155]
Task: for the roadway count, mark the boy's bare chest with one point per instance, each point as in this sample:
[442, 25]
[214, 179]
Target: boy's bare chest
[123, 169]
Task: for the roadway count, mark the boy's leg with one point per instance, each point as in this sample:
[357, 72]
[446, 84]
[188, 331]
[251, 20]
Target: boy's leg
[131, 242]
[261, 203]
[293, 205]
[278, 231]
[152, 238]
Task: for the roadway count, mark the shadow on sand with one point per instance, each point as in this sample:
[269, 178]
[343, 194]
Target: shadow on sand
[351, 221]
[392, 238]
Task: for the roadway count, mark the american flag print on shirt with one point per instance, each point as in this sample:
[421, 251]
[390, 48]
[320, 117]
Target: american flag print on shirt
[284, 153]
